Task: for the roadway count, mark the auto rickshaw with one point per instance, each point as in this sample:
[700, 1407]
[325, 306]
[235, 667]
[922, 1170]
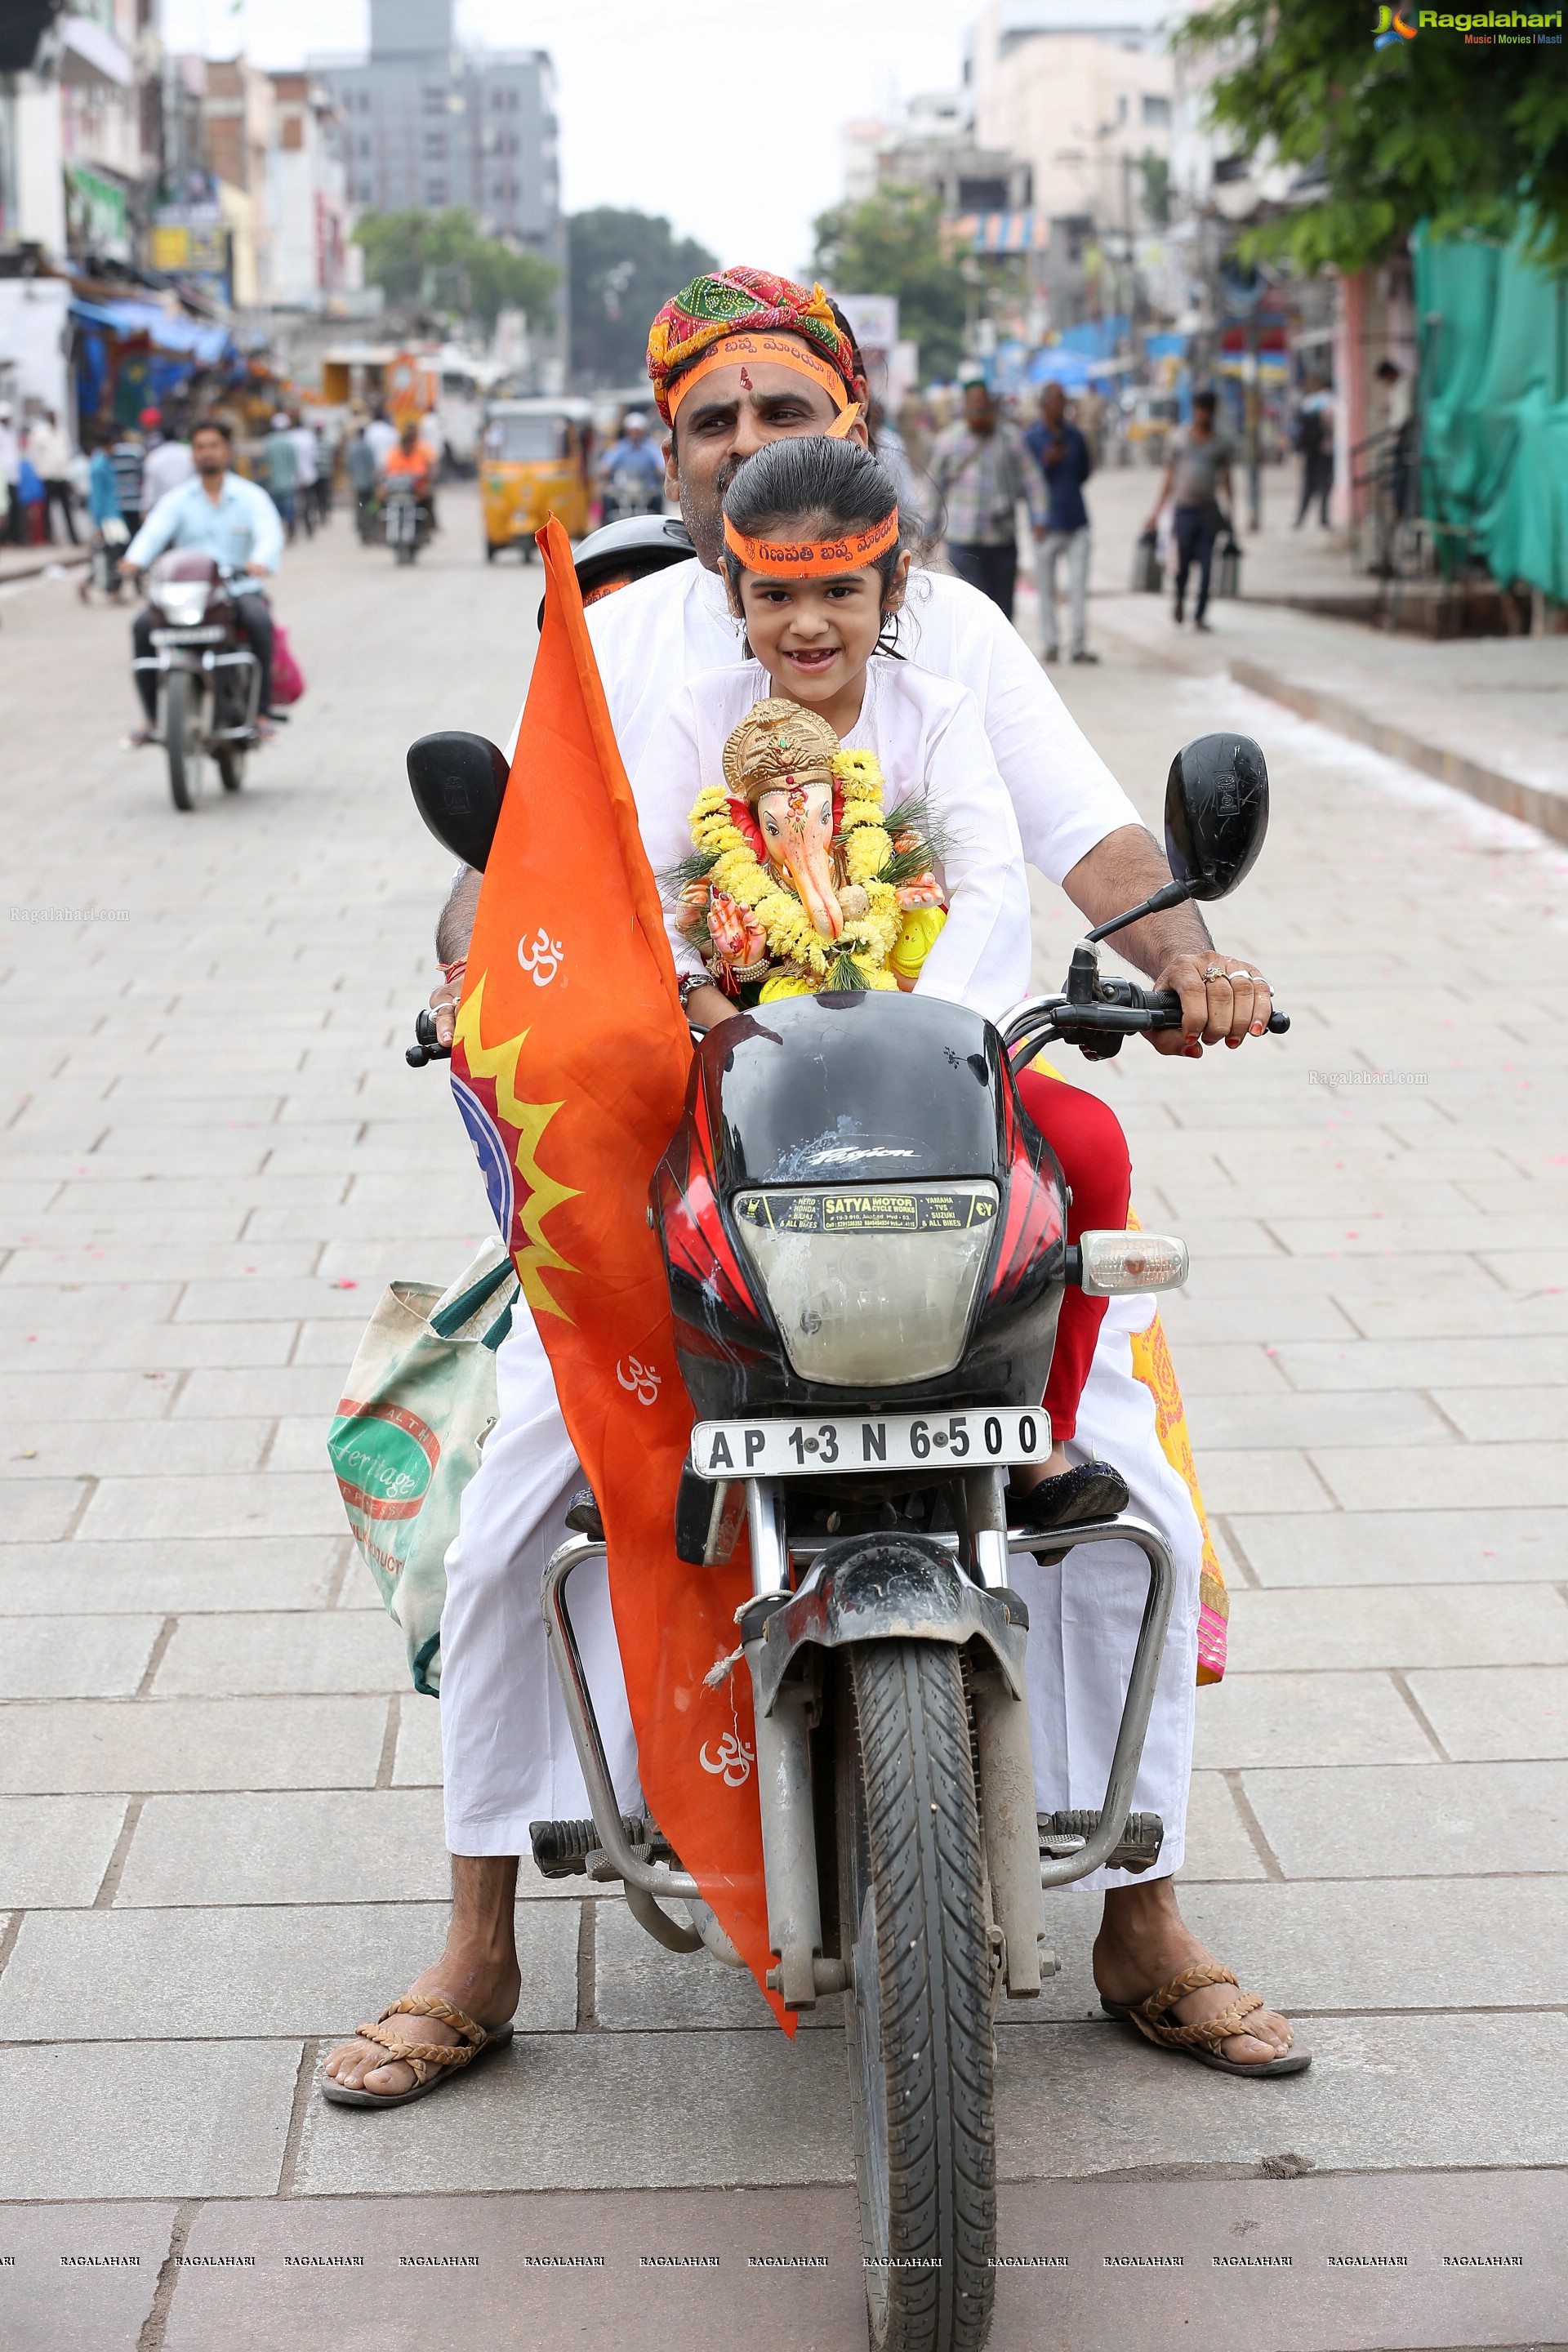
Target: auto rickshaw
[535, 460]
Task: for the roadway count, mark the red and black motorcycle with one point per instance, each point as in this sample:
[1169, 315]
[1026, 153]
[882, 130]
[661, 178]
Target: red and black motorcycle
[208, 679]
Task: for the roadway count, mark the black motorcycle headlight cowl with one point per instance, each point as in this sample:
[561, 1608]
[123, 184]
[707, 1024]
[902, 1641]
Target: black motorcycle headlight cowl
[872, 1287]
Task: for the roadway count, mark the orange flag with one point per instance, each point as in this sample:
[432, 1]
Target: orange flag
[570, 1064]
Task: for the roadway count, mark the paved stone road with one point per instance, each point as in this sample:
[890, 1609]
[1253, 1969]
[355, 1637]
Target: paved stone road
[220, 1837]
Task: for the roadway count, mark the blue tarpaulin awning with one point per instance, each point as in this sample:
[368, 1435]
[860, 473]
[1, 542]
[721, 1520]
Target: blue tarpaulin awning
[167, 331]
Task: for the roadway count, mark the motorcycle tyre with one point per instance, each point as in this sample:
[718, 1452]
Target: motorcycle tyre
[405, 551]
[914, 1908]
[181, 739]
[231, 768]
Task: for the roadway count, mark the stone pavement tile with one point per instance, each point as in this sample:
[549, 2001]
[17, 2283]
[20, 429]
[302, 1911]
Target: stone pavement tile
[1190, 1319]
[1378, 1417]
[42, 1307]
[149, 1348]
[331, 1344]
[207, 1973]
[84, 2275]
[253, 1504]
[300, 1441]
[374, 1263]
[170, 1196]
[1221, 1234]
[1396, 1626]
[1436, 1365]
[1360, 1234]
[429, 1211]
[170, 1577]
[417, 1764]
[1212, 1368]
[1387, 2092]
[1418, 1477]
[492, 2272]
[39, 1510]
[1219, 1845]
[605, 2110]
[1359, 1945]
[86, 1223]
[1405, 1547]
[270, 1388]
[123, 1262]
[1256, 1478]
[1307, 1719]
[1484, 1711]
[69, 1745]
[266, 1301]
[1414, 1822]
[54, 1851]
[127, 1151]
[638, 1987]
[298, 1650]
[1536, 1415]
[76, 1657]
[106, 1449]
[331, 1845]
[145, 2119]
[95, 1396]
[1449, 1312]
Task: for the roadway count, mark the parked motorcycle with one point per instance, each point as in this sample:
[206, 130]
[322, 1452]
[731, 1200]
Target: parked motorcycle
[865, 1357]
[209, 681]
[404, 519]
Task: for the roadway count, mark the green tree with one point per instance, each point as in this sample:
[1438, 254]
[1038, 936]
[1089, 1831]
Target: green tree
[1426, 129]
[438, 262]
[895, 243]
[623, 265]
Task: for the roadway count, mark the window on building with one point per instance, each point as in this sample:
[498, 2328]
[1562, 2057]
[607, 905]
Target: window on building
[1121, 107]
[436, 146]
[1156, 111]
[435, 191]
[365, 148]
[982, 195]
[434, 101]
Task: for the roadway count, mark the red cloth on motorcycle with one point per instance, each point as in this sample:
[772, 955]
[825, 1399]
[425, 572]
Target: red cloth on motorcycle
[287, 678]
[571, 1046]
[1087, 1139]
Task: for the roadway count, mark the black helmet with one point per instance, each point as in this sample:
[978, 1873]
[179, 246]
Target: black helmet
[619, 553]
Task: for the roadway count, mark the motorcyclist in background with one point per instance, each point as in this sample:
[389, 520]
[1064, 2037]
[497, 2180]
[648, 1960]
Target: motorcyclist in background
[233, 521]
[412, 462]
[632, 472]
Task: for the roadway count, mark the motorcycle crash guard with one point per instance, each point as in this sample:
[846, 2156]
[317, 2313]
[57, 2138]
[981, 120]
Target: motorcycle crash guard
[876, 1588]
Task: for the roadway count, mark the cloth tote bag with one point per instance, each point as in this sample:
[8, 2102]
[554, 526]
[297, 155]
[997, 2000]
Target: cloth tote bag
[405, 1439]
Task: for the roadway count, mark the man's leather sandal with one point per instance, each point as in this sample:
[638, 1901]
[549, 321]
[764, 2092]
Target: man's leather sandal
[432, 2063]
[1203, 2041]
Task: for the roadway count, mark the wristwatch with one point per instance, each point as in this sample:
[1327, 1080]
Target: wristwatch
[689, 982]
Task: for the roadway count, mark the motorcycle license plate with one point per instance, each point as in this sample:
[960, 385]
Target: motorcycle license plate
[894, 1440]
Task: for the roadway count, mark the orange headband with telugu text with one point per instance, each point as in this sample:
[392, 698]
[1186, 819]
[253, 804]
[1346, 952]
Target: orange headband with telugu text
[794, 557]
[781, 350]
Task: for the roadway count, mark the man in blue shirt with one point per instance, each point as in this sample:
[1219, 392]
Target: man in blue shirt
[1062, 455]
[227, 518]
[633, 472]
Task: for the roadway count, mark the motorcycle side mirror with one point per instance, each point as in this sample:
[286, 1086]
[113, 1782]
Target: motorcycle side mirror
[459, 782]
[1216, 814]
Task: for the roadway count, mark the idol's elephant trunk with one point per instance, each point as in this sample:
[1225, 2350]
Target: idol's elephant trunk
[804, 856]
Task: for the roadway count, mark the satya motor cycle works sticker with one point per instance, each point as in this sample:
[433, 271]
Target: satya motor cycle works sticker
[939, 1212]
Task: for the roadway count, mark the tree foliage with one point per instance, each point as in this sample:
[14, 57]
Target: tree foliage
[439, 262]
[1427, 130]
[625, 264]
[895, 243]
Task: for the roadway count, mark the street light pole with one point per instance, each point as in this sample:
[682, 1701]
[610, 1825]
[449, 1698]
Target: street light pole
[1254, 471]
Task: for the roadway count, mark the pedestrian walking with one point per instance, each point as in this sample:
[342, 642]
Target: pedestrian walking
[50, 451]
[363, 473]
[1062, 455]
[168, 462]
[282, 462]
[1315, 441]
[382, 434]
[10, 474]
[1198, 469]
[308, 467]
[128, 456]
[982, 467]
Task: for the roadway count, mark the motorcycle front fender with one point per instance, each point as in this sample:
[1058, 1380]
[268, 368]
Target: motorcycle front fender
[886, 1588]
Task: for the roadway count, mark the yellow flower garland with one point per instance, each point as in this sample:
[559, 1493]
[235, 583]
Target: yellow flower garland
[868, 940]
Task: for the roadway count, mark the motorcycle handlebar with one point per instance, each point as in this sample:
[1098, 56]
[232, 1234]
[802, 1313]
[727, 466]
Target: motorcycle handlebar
[425, 1048]
[1164, 1009]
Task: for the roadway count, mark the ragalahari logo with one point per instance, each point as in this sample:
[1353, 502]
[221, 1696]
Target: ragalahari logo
[1393, 25]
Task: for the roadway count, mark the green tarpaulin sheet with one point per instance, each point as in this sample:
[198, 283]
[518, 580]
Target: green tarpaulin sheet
[1494, 384]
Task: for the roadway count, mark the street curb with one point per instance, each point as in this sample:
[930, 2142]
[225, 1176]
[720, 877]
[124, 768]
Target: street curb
[1533, 804]
[65, 557]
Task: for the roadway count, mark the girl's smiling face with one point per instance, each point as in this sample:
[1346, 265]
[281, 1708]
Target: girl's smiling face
[815, 637]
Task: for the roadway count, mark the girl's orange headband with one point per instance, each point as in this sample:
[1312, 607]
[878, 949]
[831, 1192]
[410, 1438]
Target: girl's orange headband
[780, 350]
[852, 552]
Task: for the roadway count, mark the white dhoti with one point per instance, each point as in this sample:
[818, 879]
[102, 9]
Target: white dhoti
[507, 1748]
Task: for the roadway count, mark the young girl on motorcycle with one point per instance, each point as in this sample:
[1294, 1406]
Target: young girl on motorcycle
[828, 781]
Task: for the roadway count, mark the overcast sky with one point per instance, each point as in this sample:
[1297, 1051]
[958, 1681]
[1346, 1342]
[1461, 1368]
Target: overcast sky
[728, 126]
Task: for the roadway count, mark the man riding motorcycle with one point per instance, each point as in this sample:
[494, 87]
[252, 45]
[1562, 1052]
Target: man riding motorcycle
[802, 375]
[219, 514]
[632, 472]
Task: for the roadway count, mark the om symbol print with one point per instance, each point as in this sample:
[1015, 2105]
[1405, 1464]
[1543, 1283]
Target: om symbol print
[732, 1761]
[639, 1380]
[542, 957]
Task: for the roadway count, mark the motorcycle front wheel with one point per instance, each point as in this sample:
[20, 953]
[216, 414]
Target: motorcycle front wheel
[183, 738]
[913, 1903]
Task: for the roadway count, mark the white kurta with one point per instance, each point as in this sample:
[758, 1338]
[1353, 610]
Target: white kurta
[508, 1753]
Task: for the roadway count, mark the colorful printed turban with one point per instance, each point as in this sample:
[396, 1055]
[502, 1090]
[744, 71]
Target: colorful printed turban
[745, 301]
